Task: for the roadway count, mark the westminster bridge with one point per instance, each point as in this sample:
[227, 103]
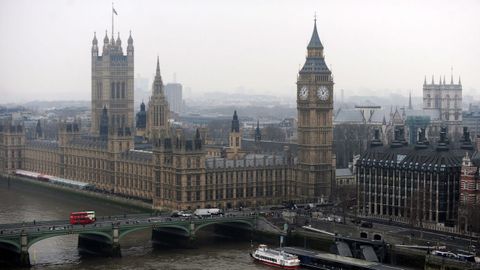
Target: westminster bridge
[104, 235]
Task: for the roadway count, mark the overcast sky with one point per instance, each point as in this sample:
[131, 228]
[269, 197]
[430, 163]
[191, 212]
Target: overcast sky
[373, 47]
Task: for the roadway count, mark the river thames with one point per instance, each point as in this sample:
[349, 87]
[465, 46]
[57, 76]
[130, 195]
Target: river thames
[23, 202]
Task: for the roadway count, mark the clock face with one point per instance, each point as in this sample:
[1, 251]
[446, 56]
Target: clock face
[322, 93]
[303, 93]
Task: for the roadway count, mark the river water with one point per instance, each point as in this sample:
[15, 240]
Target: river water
[24, 202]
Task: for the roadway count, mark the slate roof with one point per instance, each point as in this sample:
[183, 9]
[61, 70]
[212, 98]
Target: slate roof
[411, 157]
[343, 172]
[137, 155]
[355, 116]
[315, 65]
[89, 143]
[315, 39]
[250, 160]
[433, 114]
[475, 158]
[264, 146]
[348, 116]
[42, 144]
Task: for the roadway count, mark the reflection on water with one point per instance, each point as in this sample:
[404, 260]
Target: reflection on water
[22, 202]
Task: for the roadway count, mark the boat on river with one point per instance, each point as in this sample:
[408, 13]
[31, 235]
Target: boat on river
[275, 258]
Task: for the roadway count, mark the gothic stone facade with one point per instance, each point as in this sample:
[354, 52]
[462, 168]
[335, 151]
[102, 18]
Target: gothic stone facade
[445, 99]
[315, 123]
[176, 172]
[112, 83]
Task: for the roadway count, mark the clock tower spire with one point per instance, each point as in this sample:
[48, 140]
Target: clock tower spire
[315, 129]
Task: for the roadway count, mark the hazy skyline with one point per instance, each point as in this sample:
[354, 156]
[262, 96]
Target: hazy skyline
[383, 46]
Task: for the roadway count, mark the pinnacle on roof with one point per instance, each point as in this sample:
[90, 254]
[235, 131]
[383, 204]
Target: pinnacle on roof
[315, 39]
[235, 116]
[157, 81]
[94, 41]
[130, 39]
[119, 41]
[158, 67]
[235, 123]
[105, 40]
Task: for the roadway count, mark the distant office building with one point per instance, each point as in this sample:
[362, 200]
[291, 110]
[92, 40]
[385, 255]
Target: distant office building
[174, 96]
[142, 89]
[141, 84]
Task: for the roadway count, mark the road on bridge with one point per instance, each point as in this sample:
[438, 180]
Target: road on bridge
[107, 221]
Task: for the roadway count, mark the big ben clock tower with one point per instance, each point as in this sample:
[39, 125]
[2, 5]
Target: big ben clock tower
[315, 136]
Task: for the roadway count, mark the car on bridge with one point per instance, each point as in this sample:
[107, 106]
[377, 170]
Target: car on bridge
[181, 214]
[207, 212]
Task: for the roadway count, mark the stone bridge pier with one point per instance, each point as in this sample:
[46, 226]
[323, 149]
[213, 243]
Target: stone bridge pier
[97, 244]
[24, 256]
[16, 252]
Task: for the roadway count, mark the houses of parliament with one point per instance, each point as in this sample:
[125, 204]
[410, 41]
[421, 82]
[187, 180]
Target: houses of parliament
[176, 171]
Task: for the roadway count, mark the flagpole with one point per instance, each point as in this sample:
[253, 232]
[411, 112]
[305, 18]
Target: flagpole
[112, 21]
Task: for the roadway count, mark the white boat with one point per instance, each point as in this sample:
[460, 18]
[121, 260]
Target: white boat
[275, 258]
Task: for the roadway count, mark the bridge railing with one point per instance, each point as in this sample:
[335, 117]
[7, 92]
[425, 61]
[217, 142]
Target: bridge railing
[33, 223]
[108, 221]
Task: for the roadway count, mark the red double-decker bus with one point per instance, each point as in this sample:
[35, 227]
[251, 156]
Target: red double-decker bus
[82, 218]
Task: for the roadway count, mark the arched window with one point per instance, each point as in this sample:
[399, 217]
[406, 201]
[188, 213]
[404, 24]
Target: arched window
[123, 89]
[429, 101]
[448, 101]
[118, 90]
[112, 93]
[437, 101]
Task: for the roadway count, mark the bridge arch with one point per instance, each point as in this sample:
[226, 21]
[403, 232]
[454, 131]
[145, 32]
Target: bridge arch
[34, 240]
[176, 227]
[8, 242]
[131, 230]
[213, 222]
